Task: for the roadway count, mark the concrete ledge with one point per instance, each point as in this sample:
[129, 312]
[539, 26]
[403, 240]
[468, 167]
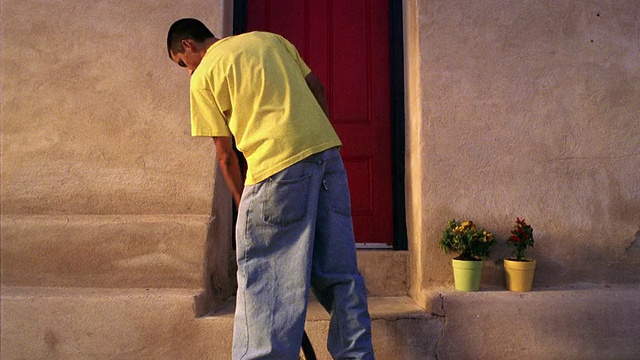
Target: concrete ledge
[49, 323]
[576, 322]
[60, 323]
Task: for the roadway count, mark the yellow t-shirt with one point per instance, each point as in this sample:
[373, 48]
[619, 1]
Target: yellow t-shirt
[253, 86]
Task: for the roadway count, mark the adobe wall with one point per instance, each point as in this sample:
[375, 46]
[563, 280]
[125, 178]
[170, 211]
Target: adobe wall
[102, 184]
[525, 109]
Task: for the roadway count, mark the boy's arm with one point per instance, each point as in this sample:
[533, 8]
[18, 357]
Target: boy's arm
[316, 87]
[230, 166]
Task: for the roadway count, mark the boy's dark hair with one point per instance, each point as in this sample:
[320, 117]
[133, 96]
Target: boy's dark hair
[186, 29]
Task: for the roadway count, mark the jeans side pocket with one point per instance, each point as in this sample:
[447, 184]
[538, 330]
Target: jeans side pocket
[338, 187]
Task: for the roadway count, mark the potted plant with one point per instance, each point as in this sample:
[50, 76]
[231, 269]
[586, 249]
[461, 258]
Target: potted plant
[519, 269]
[473, 246]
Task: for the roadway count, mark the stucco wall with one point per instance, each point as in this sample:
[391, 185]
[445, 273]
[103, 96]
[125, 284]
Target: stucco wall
[528, 109]
[102, 184]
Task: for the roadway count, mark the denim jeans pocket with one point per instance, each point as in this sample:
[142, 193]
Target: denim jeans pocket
[286, 199]
[335, 182]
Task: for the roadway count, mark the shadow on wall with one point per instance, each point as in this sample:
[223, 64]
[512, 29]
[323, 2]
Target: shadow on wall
[219, 269]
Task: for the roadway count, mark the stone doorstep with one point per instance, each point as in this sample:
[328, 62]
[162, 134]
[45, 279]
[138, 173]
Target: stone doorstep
[401, 329]
[380, 308]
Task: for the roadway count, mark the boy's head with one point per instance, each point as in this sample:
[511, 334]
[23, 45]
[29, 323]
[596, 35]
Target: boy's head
[187, 42]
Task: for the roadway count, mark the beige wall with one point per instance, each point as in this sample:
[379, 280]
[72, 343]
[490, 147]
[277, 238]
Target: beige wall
[102, 184]
[530, 109]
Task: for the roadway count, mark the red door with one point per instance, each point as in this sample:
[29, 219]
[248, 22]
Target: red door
[346, 44]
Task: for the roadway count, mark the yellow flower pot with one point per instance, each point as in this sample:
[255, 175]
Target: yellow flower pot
[467, 274]
[519, 274]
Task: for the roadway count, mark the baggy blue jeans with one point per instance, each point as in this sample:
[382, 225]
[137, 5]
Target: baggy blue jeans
[294, 232]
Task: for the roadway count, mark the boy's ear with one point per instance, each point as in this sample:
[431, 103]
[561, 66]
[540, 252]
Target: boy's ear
[188, 44]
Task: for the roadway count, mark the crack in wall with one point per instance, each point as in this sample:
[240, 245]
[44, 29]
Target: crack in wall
[635, 244]
[444, 326]
[441, 313]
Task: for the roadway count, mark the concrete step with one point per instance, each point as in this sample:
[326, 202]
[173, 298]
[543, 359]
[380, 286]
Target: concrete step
[401, 329]
[72, 323]
[575, 322]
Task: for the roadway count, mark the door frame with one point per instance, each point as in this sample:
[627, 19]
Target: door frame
[397, 111]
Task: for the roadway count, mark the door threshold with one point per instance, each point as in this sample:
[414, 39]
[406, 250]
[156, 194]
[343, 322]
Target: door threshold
[373, 246]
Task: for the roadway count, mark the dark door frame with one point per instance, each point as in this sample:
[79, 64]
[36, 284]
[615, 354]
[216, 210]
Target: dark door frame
[396, 73]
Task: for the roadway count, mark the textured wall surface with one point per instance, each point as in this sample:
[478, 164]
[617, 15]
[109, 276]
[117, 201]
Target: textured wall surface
[527, 109]
[102, 184]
